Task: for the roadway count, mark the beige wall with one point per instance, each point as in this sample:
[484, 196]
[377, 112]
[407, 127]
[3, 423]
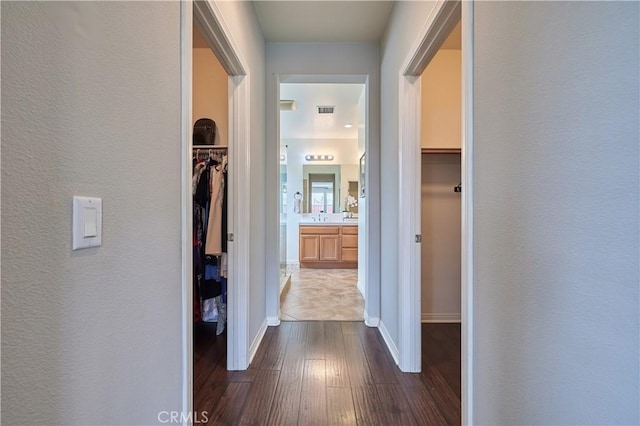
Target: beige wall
[210, 92]
[441, 101]
[440, 227]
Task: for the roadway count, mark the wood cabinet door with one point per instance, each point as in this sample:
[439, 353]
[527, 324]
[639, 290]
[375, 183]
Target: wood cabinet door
[330, 247]
[309, 248]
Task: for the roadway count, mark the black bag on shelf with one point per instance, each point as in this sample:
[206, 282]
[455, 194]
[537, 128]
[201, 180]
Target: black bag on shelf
[204, 132]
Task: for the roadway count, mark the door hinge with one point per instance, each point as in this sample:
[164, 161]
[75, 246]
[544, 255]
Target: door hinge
[418, 238]
[229, 237]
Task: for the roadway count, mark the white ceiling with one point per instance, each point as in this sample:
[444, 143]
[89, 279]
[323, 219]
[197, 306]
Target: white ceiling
[326, 21]
[323, 21]
[305, 122]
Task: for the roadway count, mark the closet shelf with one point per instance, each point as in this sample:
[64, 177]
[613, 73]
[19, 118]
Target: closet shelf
[441, 150]
[210, 147]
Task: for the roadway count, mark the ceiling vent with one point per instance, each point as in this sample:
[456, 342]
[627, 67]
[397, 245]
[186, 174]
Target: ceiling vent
[325, 109]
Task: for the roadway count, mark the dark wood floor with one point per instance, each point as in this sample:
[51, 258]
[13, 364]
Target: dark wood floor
[328, 373]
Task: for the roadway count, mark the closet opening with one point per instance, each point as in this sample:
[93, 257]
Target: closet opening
[440, 179]
[214, 85]
[322, 148]
[434, 120]
[210, 219]
[440, 136]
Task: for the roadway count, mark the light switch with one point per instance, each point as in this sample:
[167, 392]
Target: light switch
[90, 222]
[87, 222]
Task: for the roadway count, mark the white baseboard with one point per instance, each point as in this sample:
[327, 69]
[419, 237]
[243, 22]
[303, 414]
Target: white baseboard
[441, 318]
[273, 321]
[360, 286]
[390, 344]
[371, 321]
[258, 339]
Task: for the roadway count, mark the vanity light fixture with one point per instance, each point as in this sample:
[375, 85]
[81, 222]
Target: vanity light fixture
[327, 157]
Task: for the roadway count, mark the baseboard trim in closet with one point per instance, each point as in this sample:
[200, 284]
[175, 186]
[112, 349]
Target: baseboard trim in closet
[258, 339]
[393, 349]
[441, 318]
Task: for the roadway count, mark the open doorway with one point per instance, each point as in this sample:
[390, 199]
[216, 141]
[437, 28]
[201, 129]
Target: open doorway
[322, 146]
[437, 30]
[234, 352]
[441, 215]
[441, 133]
[210, 180]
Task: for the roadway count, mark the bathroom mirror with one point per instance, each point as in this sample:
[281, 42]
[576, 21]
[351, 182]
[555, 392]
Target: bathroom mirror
[326, 186]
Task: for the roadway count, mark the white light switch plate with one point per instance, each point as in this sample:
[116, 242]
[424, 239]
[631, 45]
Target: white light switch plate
[87, 222]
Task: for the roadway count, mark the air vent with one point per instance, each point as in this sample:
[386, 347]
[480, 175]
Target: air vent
[325, 109]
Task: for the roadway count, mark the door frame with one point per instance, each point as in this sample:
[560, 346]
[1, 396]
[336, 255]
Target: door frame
[439, 23]
[218, 36]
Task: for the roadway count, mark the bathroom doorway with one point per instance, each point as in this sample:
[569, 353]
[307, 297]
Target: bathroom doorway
[322, 140]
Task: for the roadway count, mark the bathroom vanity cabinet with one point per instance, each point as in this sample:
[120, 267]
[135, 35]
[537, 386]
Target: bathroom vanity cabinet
[328, 246]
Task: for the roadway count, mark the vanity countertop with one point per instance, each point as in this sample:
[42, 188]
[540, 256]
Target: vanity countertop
[346, 222]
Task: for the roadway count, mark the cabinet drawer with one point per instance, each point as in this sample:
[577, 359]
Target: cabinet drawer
[350, 241]
[349, 254]
[319, 230]
[349, 230]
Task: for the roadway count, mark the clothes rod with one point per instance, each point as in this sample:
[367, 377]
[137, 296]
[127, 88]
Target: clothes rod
[210, 147]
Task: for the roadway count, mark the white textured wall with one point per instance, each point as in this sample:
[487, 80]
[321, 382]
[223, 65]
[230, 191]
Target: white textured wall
[240, 18]
[405, 24]
[440, 226]
[556, 213]
[328, 59]
[90, 106]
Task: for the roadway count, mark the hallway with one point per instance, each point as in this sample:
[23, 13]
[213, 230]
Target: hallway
[321, 295]
[329, 373]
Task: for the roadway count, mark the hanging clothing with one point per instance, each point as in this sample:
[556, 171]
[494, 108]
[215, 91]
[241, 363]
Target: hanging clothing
[214, 227]
[209, 240]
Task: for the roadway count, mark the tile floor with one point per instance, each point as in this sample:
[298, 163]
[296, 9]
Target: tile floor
[322, 295]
